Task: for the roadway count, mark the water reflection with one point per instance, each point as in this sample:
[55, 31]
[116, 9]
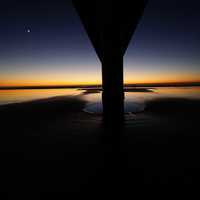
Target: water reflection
[135, 101]
[132, 103]
[21, 95]
[129, 107]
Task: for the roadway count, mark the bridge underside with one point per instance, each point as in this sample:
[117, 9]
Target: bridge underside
[110, 25]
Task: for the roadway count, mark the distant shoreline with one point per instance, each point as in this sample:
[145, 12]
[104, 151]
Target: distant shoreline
[193, 84]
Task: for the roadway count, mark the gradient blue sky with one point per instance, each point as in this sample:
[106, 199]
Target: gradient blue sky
[165, 46]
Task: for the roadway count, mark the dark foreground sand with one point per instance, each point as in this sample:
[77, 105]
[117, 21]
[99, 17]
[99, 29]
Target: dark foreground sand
[53, 146]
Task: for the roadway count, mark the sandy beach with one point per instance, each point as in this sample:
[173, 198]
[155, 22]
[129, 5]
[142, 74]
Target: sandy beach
[52, 144]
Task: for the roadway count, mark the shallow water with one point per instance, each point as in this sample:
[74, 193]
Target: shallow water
[22, 95]
[134, 101]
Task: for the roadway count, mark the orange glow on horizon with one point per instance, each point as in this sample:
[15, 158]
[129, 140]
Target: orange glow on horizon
[21, 84]
[94, 79]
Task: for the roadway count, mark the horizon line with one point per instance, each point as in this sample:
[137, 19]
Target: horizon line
[163, 84]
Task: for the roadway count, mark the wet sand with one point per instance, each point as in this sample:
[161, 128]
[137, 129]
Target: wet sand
[51, 145]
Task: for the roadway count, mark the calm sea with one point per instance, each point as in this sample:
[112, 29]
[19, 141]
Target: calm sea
[94, 99]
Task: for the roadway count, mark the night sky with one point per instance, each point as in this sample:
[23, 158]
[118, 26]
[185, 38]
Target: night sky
[43, 42]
